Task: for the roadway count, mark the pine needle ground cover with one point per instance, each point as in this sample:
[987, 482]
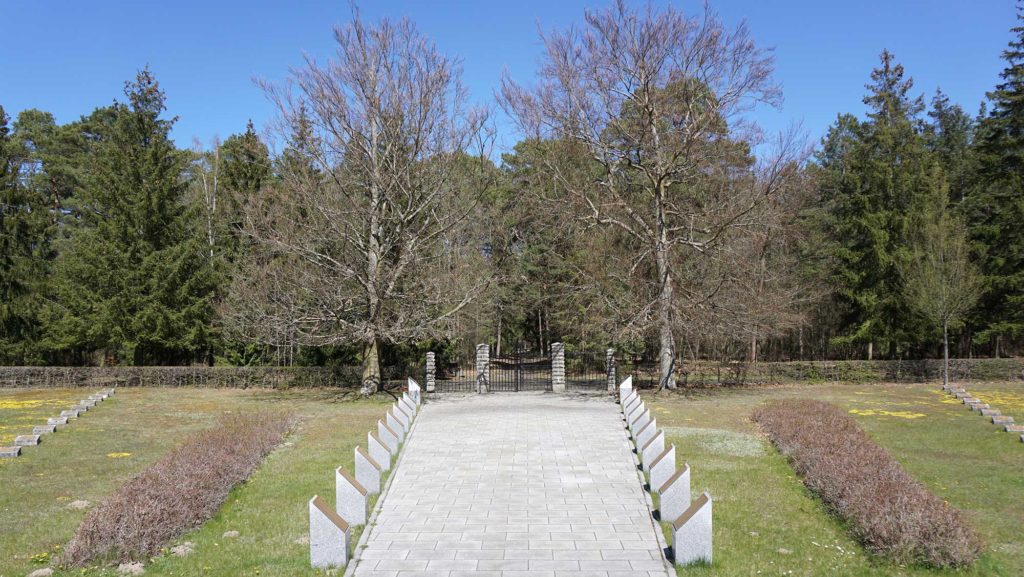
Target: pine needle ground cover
[40, 492]
[766, 522]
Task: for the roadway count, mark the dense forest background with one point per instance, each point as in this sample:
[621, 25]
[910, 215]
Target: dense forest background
[356, 229]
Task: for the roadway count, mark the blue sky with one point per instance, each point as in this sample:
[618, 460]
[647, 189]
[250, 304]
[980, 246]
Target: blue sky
[70, 56]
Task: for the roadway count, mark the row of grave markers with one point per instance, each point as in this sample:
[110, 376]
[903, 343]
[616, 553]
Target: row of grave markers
[53, 423]
[691, 521]
[329, 529]
[976, 404]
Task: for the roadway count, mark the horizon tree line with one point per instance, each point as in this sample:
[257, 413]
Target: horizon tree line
[643, 209]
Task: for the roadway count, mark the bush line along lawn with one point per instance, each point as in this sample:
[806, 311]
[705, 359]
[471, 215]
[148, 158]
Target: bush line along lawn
[139, 426]
[766, 521]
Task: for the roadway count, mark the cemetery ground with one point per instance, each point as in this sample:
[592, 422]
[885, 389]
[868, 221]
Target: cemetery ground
[766, 522]
[93, 455]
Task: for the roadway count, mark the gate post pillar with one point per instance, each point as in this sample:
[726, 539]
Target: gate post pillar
[431, 373]
[609, 364]
[483, 368]
[558, 367]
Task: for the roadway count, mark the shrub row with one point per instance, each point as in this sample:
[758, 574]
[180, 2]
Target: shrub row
[889, 512]
[198, 376]
[178, 492]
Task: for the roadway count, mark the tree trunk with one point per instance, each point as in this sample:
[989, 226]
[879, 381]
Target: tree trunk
[497, 348]
[753, 349]
[871, 350]
[945, 353]
[667, 342]
[371, 382]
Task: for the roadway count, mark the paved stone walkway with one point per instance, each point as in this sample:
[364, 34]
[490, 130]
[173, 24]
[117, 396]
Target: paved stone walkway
[518, 484]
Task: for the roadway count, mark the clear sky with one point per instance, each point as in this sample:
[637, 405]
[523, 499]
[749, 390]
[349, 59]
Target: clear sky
[70, 56]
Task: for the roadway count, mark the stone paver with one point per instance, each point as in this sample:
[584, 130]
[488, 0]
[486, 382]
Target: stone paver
[517, 484]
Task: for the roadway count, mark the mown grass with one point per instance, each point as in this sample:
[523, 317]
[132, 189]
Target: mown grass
[138, 426]
[767, 523]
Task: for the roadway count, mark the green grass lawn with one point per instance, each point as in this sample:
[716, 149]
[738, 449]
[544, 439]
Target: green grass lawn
[767, 523]
[96, 453]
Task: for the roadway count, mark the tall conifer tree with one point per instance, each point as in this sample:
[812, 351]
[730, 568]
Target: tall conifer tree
[132, 281]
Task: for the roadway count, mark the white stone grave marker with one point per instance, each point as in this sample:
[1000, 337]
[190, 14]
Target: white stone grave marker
[351, 497]
[328, 536]
[691, 533]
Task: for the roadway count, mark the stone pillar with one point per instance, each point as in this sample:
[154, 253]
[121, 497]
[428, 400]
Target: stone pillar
[483, 368]
[558, 367]
[431, 373]
[609, 365]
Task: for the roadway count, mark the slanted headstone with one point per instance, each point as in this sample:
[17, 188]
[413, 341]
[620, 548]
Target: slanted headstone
[87, 403]
[991, 412]
[625, 387]
[398, 431]
[628, 401]
[388, 436]
[662, 467]
[970, 400]
[57, 421]
[26, 440]
[414, 391]
[368, 471]
[962, 395]
[69, 414]
[328, 536]
[1015, 428]
[978, 407]
[43, 429]
[80, 408]
[631, 405]
[378, 450]
[635, 412]
[393, 422]
[641, 420]
[691, 533]
[10, 451]
[402, 416]
[645, 434]
[407, 404]
[652, 449]
[1002, 420]
[351, 497]
[674, 495]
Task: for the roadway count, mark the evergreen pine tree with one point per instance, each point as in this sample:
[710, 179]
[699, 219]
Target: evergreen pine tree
[132, 281]
[995, 209]
[876, 173]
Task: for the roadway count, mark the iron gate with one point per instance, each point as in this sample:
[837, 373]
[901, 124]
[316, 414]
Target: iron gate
[521, 370]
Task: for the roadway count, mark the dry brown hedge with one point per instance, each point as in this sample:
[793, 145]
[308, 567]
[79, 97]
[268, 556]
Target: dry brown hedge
[178, 492]
[890, 512]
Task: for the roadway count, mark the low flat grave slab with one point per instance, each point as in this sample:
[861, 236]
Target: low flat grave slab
[87, 403]
[26, 440]
[674, 495]
[328, 536]
[691, 533]
[1015, 428]
[962, 395]
[6, 452]
[57, 421]
[1002, 420]
[979, 406]
[43, 429]
[72, 414]
[971, 400]
[80, 408]
[991, 412]
[351, 498]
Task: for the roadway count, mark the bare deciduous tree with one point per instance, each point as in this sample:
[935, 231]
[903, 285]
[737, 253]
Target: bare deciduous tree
[658, 102]
[362, 241]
